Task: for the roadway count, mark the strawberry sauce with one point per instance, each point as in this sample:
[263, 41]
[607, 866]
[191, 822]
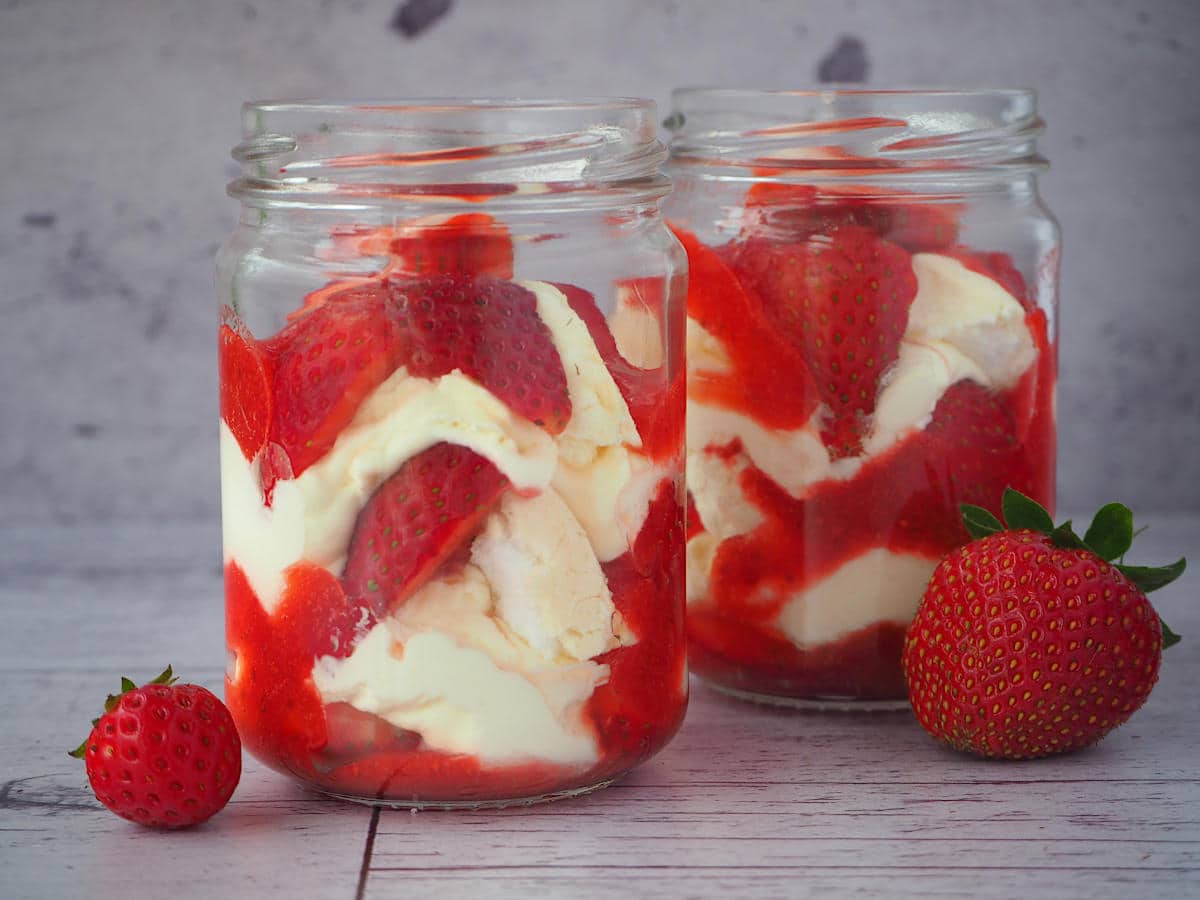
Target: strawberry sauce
[809, 304]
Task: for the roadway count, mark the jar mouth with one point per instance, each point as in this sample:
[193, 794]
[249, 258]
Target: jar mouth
[849, 132]
[509, 152]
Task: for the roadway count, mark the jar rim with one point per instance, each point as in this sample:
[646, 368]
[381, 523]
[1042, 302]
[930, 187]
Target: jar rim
[847, 90]
[446, 104]
[504, 151]
[844, 133]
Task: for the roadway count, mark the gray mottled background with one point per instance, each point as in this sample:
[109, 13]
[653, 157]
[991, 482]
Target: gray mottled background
[116, 119]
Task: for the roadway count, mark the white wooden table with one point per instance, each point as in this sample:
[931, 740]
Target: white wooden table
[747, 802]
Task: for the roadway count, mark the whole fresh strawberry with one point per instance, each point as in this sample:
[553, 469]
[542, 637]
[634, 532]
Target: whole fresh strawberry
[1031, 641]
[164, 755]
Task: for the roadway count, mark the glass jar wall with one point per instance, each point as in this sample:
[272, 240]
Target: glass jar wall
[451, 358]
[871, 342]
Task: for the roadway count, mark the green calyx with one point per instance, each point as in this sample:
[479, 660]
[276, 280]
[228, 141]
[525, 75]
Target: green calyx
[1109, 537]
[111, 701]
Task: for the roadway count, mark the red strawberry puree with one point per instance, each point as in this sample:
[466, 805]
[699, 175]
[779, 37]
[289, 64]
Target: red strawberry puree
[304, 605]
[807, 322]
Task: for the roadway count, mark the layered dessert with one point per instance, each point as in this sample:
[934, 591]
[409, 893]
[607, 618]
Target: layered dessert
[854, 374]
[453, 525]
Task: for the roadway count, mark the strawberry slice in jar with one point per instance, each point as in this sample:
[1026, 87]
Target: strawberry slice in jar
[870, 344]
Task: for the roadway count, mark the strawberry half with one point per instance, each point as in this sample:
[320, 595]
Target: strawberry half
[246, 384]
[488, 329]
[843, 301]
[416, 520]
[326, 363]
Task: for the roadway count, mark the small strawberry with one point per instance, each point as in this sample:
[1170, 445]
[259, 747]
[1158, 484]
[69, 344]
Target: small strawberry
[164, 755]
[246, 377]
[488, 329]
[843, 301]
[326, 363]
[416, 520]
[1031, 641]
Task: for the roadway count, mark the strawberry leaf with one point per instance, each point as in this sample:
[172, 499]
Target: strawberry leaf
[1111, 531]
[127, 685]
[1064, 536]
[1024, 512]
[1151, 578]
[1170, 638]
[81, 751]
[979, 522]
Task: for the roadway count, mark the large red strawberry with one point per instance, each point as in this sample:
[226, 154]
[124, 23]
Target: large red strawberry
[489, 330]
[326, 363]
[164, 755]
[843, 301]
[416, 520]
[1030, 641]
[246, 384]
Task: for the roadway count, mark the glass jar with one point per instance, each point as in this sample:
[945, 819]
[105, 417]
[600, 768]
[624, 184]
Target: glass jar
[871, 342]
[452, 391]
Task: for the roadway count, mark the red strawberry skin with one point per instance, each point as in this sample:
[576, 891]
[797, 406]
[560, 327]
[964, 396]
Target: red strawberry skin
[843, 302]
[326, 363]
[167, 756]
[1023, 649]
[490, 330]
[416, 520]
[246, 378]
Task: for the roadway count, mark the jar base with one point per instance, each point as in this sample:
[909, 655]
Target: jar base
[415, 805]
[813, 704]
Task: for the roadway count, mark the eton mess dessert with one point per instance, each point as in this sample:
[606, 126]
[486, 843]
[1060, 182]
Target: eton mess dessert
[854, 374]
[453, 525]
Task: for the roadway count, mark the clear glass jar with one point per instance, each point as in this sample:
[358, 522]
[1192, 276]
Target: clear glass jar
[871, 341]
[452, 391]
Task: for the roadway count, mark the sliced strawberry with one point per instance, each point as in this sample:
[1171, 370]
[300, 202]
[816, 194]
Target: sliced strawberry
[489, 330]
[274, 467]
[313, 299]
[327, 362]
[796, 212]
[246, 389]
[470, 244]
[769, 380]
[969, 453]
[843, 302]
[416, 520]
[354, 734]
